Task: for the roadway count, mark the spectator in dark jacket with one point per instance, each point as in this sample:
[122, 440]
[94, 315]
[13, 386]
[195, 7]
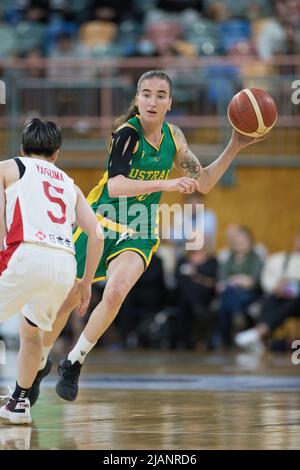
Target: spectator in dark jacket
[196, 275]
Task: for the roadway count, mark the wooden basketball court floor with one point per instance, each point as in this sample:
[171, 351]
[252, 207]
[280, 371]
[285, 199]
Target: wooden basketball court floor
[166, 401]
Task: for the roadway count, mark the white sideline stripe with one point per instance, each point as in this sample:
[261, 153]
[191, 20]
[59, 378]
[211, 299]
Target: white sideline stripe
[242, 383]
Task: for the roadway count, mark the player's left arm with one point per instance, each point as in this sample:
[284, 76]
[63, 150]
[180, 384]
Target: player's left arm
[87, 220]
[188, 164]
[3, 230]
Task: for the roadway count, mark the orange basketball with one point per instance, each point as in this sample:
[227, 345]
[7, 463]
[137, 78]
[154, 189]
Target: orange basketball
[252, 112]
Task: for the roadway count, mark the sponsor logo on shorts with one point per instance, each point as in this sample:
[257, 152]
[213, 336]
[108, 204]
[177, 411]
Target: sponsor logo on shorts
[124, 236]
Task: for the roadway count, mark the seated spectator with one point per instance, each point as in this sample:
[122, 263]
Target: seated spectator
[110, 10]
[60, 21]
[280, 282]
[163, 38]
[271, 36]
[98, 37]
[200, 32]
[238, 284]
[223, 81]
[196, 275]
[66, 47]
[30, 32]
[232, 231]
[291, 46]
[32, 102]
[234, 31]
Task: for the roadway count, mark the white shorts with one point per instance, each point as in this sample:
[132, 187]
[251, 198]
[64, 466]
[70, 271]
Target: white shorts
[36, 281]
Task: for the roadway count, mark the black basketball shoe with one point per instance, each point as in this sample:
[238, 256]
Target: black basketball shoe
[35, 389]
[67, 386]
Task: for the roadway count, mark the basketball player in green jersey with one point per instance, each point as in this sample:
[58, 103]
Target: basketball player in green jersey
[143, 150]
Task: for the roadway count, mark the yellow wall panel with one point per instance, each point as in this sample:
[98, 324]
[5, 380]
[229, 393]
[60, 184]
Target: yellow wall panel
[265, 199]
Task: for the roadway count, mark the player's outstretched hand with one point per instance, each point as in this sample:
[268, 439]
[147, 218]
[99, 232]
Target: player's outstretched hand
[241, 140]
[84, 291]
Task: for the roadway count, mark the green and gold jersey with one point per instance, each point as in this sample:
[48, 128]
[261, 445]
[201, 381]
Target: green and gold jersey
[139, 213]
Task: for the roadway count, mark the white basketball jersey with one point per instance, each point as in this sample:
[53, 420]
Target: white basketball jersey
[40, 207]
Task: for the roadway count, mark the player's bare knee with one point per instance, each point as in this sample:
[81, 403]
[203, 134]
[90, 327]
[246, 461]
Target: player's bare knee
[114, 295]
[28, 331]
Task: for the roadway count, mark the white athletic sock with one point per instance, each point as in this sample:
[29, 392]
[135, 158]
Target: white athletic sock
[81, 350]
[45, 353]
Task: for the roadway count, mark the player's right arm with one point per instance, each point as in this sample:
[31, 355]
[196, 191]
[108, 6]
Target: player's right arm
[88, 222]
[124, 143]
[122, 186]
[9, 174]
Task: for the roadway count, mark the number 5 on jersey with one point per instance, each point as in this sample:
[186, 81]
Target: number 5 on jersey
[55, 200]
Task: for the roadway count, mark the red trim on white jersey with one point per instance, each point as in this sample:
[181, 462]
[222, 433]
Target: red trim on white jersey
[15, 233]
[5, 256]
[41, 206]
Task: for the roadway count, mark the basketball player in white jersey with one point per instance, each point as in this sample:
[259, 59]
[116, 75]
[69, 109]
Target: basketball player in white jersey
[39, 204]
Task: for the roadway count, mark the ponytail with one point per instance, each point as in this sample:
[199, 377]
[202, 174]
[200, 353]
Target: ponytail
[132, 111]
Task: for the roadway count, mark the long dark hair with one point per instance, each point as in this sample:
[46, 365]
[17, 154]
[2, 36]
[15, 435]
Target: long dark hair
[133, 109]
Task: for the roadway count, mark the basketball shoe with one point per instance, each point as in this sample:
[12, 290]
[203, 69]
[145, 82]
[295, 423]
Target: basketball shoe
[67, 386]
[16, 410]
[35, 389]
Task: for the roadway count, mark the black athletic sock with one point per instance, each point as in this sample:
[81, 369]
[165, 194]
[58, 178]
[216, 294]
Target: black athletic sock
[20, 392]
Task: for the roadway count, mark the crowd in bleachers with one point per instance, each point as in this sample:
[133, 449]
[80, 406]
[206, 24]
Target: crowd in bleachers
[100, 28]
